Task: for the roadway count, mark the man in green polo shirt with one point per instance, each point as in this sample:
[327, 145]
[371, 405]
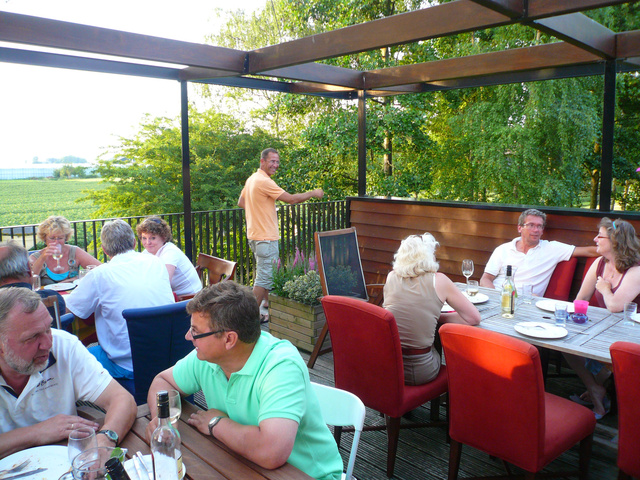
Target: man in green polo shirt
[261, 403]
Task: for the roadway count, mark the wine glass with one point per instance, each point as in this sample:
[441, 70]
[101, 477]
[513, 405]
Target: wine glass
[57, 256]
[175, 407]
[467, 268]
[81, 439]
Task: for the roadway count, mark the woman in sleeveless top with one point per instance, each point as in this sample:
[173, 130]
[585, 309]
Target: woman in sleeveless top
[55, 231]
[415, 293]
[614, 277]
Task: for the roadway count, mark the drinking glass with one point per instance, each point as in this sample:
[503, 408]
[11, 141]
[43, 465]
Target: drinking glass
[35, 282]
[175, 407]
[81, 438]
[561, 314]
[89, 465]
[630, 310]
[527, 293]
[57, 256]
[467, 268]
[472, 288]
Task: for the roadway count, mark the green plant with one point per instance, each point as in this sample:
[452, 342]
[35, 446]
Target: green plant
[296, 267]
[305, 288]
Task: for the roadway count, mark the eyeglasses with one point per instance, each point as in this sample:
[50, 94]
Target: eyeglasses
[533, 226]
[202, 335]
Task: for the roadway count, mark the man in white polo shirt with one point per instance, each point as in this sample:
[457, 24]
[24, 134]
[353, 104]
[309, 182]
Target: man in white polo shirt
[533, 258]
[130, 280]
[43, 372]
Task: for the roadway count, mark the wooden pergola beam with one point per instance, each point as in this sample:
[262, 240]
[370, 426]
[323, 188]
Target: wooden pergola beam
[44, 32]
[515, 60]
[578, 29]
[628, 44]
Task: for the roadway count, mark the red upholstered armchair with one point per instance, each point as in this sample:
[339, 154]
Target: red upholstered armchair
[368, 363]
[498, 403]
[559, 286]
[626, 372]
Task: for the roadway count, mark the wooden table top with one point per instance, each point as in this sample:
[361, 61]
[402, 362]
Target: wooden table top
[204, 457]
[590, 340]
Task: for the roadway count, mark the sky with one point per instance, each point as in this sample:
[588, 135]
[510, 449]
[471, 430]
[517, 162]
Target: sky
[52, 113]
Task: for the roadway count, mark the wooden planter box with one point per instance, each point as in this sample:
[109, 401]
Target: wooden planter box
[299, 323]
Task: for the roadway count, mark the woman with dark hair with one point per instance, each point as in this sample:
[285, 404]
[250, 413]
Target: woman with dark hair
[415, 293]
[155, 236]
[614, 277]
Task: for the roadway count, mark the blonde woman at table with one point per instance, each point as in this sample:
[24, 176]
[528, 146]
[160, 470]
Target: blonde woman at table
[155, 235]
[55, 231]
[614, 277]
[415, 293]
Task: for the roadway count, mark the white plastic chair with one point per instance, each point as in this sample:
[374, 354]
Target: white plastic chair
[341, 408]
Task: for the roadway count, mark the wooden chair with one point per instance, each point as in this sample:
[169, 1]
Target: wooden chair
[341, 273]
[497, 404]
[217, 269]
[368, 363]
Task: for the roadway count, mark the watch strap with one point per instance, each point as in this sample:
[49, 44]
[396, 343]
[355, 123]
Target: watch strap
[110, 434]
[213, 422]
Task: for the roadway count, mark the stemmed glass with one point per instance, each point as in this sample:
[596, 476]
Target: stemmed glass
[467, 268]
[57, 256]
[175, 407]
[80, 439]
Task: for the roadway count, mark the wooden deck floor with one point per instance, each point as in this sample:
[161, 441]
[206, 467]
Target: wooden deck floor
[423, 453]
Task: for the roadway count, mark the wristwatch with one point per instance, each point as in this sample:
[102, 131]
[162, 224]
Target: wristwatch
[213, 422]
[111, 435]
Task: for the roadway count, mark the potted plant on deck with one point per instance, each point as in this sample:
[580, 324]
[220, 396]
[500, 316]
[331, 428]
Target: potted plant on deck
[295, 312]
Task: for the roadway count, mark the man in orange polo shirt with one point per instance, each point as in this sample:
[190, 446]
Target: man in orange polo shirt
[258, 198]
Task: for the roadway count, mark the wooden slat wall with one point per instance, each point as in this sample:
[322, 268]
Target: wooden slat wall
[464, 231]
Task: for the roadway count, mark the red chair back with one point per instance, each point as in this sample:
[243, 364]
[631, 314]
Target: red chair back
[626, 372]
[559, 286]
[496, 394]
[367, 352]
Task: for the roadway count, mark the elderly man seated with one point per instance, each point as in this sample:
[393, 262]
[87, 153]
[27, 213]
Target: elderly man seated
[130, 280]
[534, 259]
[16, 272]
[43, 372]
[261, 404]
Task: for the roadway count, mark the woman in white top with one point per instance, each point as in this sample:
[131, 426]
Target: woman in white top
[155, 236]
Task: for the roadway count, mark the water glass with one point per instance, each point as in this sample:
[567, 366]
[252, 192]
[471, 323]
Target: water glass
[561, 314]
[472, 288]
[630, 310]
[89, 465]
[175, 407]
[81, 439]
[35, 282]
[526, 293]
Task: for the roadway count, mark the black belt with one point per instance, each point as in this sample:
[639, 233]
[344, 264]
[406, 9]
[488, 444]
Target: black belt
[415, 351]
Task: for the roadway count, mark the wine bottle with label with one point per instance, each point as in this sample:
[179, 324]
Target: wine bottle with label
[165, 443]
[508, 300]
[116, 470]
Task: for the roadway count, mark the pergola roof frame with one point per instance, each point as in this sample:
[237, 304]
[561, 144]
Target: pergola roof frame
[584, 48]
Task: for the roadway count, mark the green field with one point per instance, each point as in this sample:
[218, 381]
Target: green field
[25, 202]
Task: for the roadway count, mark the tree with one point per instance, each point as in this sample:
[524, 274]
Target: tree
[145, 172]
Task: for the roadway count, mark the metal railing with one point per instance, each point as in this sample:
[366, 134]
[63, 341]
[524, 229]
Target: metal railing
[216, 232]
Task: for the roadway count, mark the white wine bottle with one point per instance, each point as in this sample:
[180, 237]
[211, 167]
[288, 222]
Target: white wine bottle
[508, 295]
[165, 443]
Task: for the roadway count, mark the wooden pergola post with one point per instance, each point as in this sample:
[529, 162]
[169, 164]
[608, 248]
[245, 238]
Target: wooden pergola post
[186, 170]
[362, 143]
[608, 123]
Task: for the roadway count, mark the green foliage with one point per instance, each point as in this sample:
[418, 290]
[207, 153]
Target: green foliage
[145, 173]
[305, 288]
[294, 267]
[26, 202]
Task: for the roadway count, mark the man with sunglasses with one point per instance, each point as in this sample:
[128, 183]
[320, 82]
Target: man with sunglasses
[534, 259]
[261, 404]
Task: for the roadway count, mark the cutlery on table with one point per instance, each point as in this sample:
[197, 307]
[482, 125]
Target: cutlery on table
[140, 459]
[15, 469]
[25, 474]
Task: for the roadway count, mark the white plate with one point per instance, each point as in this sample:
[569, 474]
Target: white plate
[477, 298]
[550, 305]
[130, 467]
[61, 287]
[540, 330]
[636, 317]
[52, 457]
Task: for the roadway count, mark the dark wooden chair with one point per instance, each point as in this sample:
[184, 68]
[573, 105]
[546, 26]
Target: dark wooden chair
[341, 273]
[216, 269]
